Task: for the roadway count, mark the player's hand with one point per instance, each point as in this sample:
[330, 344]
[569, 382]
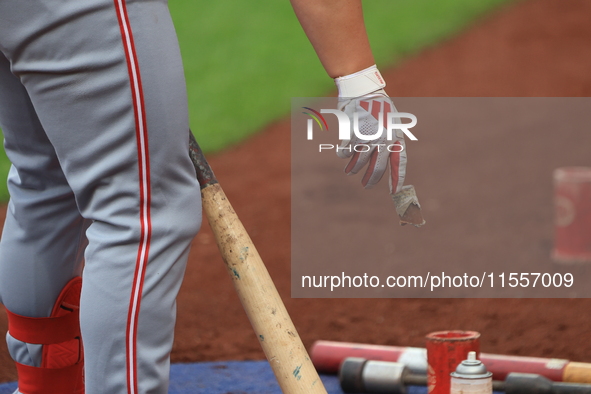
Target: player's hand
[362, 95]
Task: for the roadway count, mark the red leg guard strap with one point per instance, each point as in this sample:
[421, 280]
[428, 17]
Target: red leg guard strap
[43, 330]
[32, 380]
[63, 324]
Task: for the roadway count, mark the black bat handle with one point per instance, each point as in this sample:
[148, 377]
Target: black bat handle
[205, 174]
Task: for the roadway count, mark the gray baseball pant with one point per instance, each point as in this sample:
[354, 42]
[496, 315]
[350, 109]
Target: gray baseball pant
[94, 113]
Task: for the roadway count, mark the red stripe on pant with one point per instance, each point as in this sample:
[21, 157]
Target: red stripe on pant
[145, 194]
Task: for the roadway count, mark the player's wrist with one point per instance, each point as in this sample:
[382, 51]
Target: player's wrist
[361, 83]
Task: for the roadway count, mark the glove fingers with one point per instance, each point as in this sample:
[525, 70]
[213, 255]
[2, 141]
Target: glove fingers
[397, 170]
[375, 169]
[357, 162]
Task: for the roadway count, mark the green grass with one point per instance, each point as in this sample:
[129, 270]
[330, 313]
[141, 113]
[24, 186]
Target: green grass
[244, 60]
[241, 74]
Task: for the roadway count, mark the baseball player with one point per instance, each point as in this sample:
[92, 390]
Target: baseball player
[94, 113]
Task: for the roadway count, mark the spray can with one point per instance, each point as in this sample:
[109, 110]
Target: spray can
[471, 377]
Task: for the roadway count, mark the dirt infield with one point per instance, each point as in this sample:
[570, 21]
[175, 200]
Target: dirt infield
[531, 48]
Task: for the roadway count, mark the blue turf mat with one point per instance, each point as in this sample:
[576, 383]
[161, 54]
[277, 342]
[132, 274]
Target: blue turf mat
[225, 377]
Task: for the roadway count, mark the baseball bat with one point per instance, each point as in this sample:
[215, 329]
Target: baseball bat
[272, 325]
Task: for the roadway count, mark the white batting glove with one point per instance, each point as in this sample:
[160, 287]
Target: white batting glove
[362, 93]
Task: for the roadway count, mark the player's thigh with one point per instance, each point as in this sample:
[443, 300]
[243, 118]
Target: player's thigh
[101, 86]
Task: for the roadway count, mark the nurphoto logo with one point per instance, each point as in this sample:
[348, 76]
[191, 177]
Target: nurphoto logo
[380, 135]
